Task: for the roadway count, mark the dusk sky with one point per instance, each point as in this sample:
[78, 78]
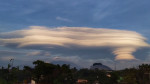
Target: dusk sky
[77, 32]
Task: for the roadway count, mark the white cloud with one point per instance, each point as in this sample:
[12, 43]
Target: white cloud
[35, 53]
[38, 53]
[123, 42]
[63, 19]
[7, 58]
[86, 63]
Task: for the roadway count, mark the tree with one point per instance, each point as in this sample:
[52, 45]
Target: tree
[143, 70]
[130, 76]
[43, 72]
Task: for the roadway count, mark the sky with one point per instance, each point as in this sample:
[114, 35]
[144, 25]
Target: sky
[76, 32]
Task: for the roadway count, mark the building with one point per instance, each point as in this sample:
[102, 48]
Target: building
[82, 81]
[100, 66]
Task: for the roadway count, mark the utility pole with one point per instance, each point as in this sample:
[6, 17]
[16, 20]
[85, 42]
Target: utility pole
[11, 62]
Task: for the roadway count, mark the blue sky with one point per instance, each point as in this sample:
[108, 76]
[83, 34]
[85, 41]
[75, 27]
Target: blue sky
[130, 15]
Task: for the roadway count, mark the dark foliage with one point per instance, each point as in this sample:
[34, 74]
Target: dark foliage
[47, 73]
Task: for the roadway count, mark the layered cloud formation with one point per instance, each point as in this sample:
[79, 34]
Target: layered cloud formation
[123, 43]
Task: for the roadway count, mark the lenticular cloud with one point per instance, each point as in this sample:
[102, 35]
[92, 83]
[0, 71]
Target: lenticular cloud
[123, 42]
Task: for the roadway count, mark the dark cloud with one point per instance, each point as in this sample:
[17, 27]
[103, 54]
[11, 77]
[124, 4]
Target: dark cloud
[142, 53]
[87, 53]
[8, 53]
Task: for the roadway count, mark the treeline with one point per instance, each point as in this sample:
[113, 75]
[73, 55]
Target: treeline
[47, 73]
[138, 75]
